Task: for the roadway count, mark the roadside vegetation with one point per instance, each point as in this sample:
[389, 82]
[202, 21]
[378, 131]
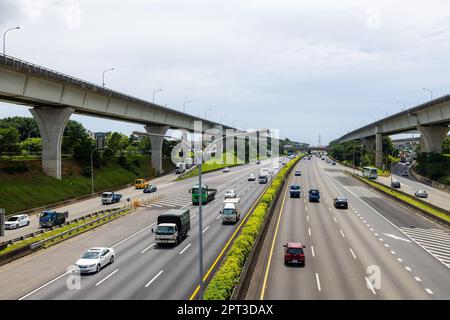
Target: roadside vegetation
[226, 278]
[24, 186]
[434, 166]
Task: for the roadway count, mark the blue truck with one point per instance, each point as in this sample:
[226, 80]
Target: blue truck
[110, 197]
[295, 191]
[52, 218]
[314, 195]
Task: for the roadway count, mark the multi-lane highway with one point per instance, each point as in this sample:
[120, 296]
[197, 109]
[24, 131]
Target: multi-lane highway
[141, 269]
[377, 249]
[410, 186]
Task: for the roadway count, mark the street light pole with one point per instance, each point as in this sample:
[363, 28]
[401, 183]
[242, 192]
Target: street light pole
[184, 106]
[154, 92]
[430, 91]
[404, 105]
[92, 168]
[4, 38]
[207, 112]
[103, 77]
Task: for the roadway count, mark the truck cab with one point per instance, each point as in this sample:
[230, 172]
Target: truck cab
[204, 194]
[140, 184]
[231, 212]
[110, 197]
[180, 168]
[52, 218]
[172, 227]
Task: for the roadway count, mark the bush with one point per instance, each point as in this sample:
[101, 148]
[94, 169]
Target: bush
[86, 171]
[226, 278]
[17, 168]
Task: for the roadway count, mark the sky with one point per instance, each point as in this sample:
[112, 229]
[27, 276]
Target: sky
[307, 68]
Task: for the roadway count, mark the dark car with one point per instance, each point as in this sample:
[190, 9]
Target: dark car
[293, 253]
[340, 203]
[298, 173]
[295, 191]
[314, 195]
[395, 184]
[150, 189]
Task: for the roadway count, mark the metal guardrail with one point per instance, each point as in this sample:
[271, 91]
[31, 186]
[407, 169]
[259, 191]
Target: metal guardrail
[61, 235]
[33, 234]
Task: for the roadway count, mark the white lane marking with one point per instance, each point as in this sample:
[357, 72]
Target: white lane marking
[148, 248]
[205, 229]
[193, 216]
[312, 251]
[371, 229]
[408, 268]
[218, 217]
[393, 252]
[133, 235]
[396, 237]
[309, 231]
[154, 278]
[418, 279]
[381, 239]
[429, 291]
[330, 209]
[306, 208]
[353, 254]
[307, 218]
[375, 234]
[106, 278]
[335, 219]
[46, 284]
[318, 282]
[400, 259]
[187, 247]
[342, 233]
[386, 245]
[369, 286]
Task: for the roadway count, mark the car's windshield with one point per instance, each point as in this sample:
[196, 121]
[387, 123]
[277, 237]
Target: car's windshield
[197, 190]
[230, 191]
[295, 187]
[106, 195]
[165, 230]
[46, 214]
[313, 191]
[91, 255]
[228, 212]
[295, 250]
[13, 219]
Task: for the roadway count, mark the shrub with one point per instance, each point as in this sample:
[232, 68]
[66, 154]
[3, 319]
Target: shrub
[86, 171]
[17, 168]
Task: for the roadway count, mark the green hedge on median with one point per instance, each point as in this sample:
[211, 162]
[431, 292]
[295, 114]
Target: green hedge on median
[227, 277]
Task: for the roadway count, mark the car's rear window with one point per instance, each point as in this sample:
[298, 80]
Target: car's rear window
[295, 250]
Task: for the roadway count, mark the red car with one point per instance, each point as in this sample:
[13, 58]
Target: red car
[293, 253]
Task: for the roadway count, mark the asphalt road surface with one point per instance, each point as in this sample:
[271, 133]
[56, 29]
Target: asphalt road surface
[377, 249]
[141, 269]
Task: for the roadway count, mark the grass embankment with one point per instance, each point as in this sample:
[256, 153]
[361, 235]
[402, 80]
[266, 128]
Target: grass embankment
[57, 231]
[211, 165]
[409, 199]
[32, 189]
[227, 277]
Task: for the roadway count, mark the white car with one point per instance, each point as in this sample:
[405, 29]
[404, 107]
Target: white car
[226, 170]
[230, 194]
[15, 222]
[251, 177]
[94, 260]
[421, 194]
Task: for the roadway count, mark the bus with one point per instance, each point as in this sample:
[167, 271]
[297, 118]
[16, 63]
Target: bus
[370, 172]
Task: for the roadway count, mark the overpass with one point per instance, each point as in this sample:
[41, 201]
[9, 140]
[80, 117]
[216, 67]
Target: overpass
[54, 97]
[431, 119]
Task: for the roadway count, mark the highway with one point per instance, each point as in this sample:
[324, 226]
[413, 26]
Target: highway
[141, 270]
[409, 185]
[345, 249]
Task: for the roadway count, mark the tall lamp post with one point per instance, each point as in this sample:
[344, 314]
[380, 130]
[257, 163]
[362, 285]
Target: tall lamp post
[4, 38]
[206, 112]
[103, 77]
[184, 106]
[430, 91]
[199, 158]
[92, 167]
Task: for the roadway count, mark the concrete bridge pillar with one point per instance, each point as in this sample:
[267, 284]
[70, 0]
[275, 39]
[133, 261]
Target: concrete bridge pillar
[156, 142]
[51, 123]
[432, 138]
[369, 143]
[379, 150]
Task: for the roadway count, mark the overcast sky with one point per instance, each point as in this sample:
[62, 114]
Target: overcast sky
[304, 67]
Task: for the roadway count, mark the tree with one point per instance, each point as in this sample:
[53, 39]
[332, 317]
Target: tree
[24, 125]
[32, 144]
[9, 140]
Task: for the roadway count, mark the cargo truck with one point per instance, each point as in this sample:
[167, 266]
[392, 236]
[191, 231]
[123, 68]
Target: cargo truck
[110, 197]
[52, 218]
[172, 227]
[205, 194]
[181, 168]
[231, 212]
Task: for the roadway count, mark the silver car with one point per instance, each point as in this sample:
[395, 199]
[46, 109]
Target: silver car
[15, 222]
[421, 194]
[230, 194]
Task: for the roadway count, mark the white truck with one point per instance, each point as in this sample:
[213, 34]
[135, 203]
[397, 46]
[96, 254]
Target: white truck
[231, 212]
[110, 197]
[263, 176]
